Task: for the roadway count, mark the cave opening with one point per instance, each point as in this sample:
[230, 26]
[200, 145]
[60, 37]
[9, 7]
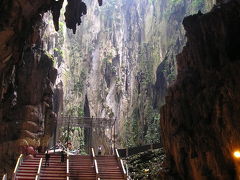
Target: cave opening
[155, 79]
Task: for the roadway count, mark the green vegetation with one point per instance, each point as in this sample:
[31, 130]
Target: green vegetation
[175, 1]
[58, 52]
[152, 125]
[142, 126]
[147, 165]
[197, 4]
[78, 86]
[146, 131]
[75, 136]
[132, 130]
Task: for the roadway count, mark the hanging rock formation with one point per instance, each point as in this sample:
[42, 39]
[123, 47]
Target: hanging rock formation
[75, 9]
[200, 121]
[56, 8]
[100, 2]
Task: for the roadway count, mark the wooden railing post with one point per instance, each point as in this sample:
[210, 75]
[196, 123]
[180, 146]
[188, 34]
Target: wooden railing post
[39, 169]
[19, 161]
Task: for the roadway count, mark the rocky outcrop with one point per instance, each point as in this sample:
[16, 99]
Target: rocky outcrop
[35, 78]
[200, 121]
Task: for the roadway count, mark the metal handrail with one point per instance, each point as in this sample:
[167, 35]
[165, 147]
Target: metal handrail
[117, 153]
[67, 153]
[95, 164]
[4, 177]
[96, 169]
[93, 154]
[138, 149]
[127, 169]
[19, 161]
[123, 168]
[39, 169]
[121, 163]
[67, 167]
[67, 164]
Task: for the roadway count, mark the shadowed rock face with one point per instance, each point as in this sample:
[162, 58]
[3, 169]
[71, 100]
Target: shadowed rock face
[27, 77]
[200, 121]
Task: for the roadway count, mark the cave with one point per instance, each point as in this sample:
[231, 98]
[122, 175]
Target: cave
[149, 86]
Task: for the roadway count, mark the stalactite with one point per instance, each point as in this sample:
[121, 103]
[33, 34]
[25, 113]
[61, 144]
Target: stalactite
[100, 2]
[56, 8]
[74, 11]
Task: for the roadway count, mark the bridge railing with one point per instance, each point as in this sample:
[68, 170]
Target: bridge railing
[95, 164]
[19, 162]
[135, 150]
[39, 169]
[120, 161]
[4, 177]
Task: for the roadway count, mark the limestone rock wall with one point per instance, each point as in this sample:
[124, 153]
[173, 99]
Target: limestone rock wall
[200, 121]
[27, 77]
[123, 58]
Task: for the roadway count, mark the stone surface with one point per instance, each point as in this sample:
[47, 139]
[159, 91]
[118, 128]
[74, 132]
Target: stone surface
[200, 121]
[114, 58]
[26, 77]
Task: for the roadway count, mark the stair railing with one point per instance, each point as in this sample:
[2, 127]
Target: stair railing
[4, 177]
[138, 149]
[67, 164]
[96, 169]
[127, 171]
[120, 161]
[19, 162]
[39, 169]
[95, 164]
[93, 153]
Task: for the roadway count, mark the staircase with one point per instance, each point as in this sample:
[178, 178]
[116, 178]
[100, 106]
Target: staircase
[28, 169]
[109, 168]
[81, 167]
[56, 170]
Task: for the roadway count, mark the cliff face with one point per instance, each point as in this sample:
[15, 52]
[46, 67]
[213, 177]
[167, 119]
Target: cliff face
[199, 123]
[114, 58]
[111, 65]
